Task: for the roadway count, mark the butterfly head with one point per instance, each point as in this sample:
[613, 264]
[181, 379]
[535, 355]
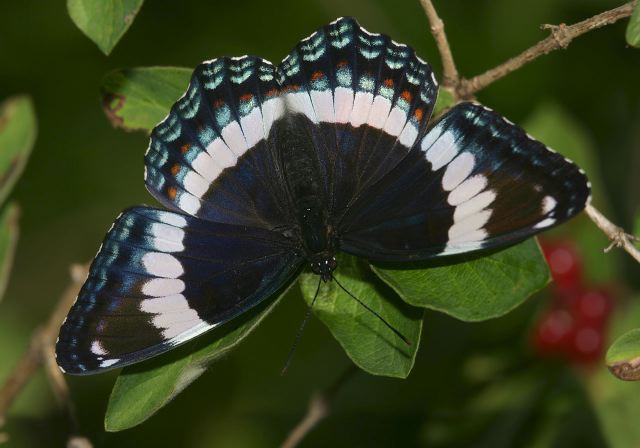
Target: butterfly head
[323, 264]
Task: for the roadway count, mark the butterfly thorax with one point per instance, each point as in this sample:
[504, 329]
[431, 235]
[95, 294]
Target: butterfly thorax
[301, 169]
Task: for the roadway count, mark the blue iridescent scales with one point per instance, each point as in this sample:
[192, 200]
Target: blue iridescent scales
[270, 169]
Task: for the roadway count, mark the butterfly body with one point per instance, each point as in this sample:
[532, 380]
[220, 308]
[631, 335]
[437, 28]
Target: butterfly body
[265, 170]
[301, 171]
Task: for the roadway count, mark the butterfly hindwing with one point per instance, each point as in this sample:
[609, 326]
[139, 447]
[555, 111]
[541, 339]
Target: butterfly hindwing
[162, 278]
[211, 157]
[363, 99]
[475, 181]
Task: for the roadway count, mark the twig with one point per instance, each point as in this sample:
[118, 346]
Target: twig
[319, 408]
[41, 354]
[561, 36]
[450, 77]
[617, 235]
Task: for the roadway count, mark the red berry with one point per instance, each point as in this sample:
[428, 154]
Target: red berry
[554, 331]
[587, 344]
[593, 305]
[564, 263]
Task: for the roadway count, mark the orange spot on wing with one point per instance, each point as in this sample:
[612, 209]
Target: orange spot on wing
[218, 103]
[291, 88]
[316, 75]
[406, 95]
[342, 64]
[272, 92]
[184, 148]
[175, 169]
[388, 82]
[418, 114]
[172, 192]
[246, 97]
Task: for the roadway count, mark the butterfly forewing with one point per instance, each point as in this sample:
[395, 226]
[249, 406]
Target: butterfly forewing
[475, 181]
[160, 279]
[211, 157]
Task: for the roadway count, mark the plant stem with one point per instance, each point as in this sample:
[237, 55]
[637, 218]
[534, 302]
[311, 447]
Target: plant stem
[450, 77]
[561, 36]
[319, 408]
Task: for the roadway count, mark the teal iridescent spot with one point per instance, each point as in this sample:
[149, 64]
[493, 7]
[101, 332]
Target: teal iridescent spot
[247, 106]
[190, 103]
[314, 47]
[170, 128]
[343, 75]
[241, 77]
[386, 92]
[367, 83]
[212, 82]
[213, 68]
[223, 115]
[371, 47]
[320, 84]
[242, 65]
[206, 135]
[266, 72]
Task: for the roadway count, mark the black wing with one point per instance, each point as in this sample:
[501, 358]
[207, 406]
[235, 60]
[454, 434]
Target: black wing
[475, 181]
[162, 278]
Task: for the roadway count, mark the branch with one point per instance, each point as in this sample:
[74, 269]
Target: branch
[561, 36]
[40, 353]
[617, 235]
[319, 408]
[450, 77]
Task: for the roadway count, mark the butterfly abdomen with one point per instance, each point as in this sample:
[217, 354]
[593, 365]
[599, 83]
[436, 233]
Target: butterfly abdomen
[301, 169]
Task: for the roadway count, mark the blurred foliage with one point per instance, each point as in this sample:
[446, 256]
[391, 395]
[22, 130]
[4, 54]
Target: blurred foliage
[104, 21]
[8, 241]
[18, 131]
[616, 402]
[471, 384]
[633, 29]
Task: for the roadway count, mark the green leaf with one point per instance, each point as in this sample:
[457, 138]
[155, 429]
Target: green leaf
[143, 389]
[444, 101]
[633, 29]
[623, 357]
[103, 21]
[18, 131]
[369, 343]
[472, 288]
[8, 240]
[139, 98]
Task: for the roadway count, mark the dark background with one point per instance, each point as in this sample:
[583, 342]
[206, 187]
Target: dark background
[83, 173]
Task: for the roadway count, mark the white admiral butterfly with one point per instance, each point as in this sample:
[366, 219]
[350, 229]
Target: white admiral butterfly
[267, 170]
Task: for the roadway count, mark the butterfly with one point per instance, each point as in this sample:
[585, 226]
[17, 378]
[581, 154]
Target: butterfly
[267, 170]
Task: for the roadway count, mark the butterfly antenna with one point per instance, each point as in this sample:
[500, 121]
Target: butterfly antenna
[299, 333]
[400, 335]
